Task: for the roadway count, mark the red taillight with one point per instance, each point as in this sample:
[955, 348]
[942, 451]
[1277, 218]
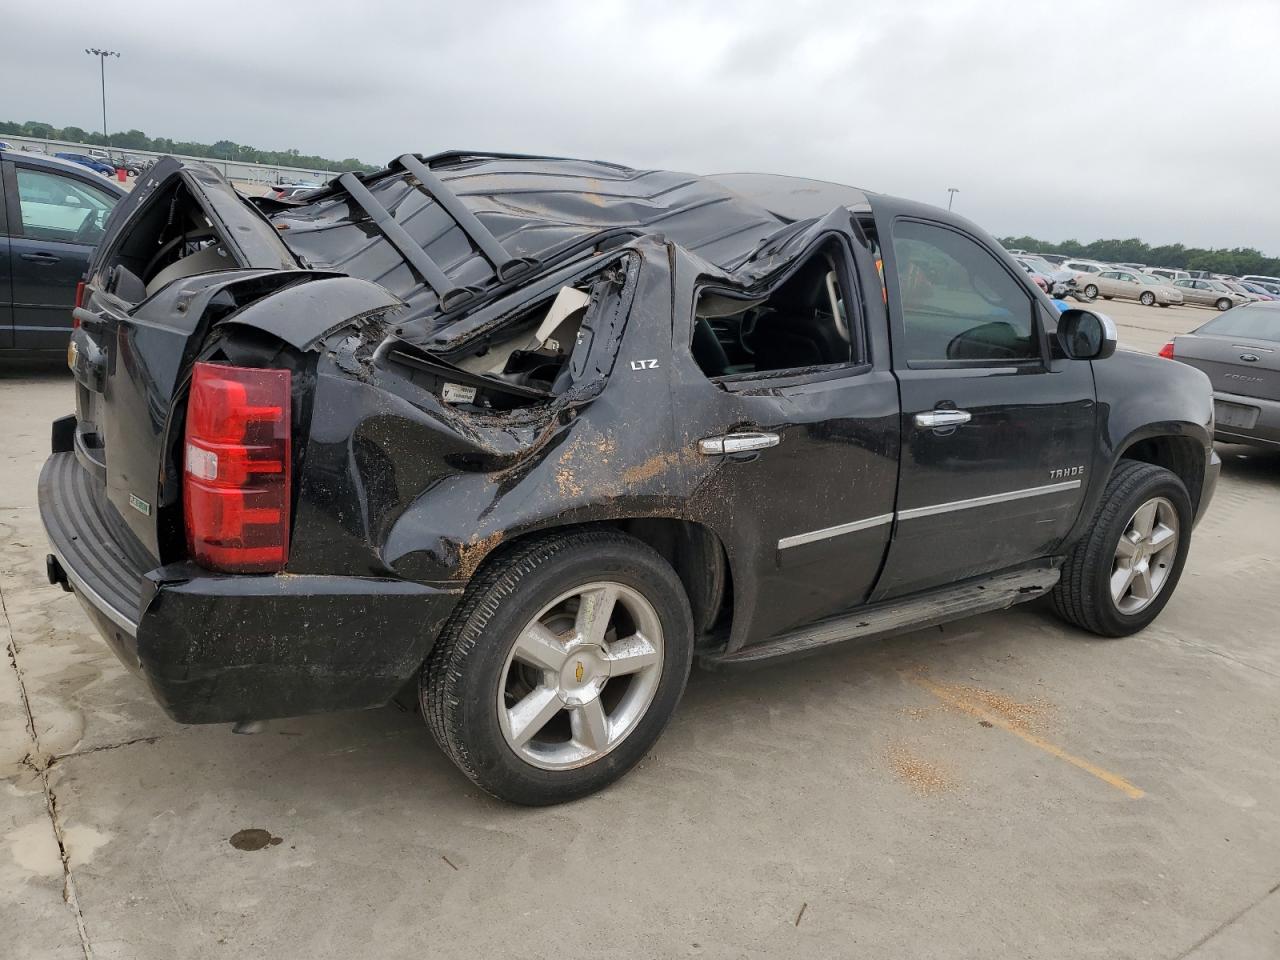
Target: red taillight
[236, 468]
[1167, 350]
[75, 321]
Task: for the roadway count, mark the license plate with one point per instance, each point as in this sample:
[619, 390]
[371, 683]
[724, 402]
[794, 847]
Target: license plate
[1234, 414]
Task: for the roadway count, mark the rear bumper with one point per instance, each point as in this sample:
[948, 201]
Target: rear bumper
[222, 648]
[1259, 425]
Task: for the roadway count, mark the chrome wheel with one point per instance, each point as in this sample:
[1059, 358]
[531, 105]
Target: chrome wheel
[580, 676]
[1148, 298]
[1145, 555]
[1091, 292]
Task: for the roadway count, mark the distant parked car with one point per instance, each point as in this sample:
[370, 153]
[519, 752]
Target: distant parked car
[1060, 283]
[1057, 259]
[1260, 278]
[5, 145]
[56, 213]
[1168, 273]
[1235, 286]
[93, 163]
[1084, 266]
[1259, 291]
[1209, 293]
[1131, 285]
[1240, 351]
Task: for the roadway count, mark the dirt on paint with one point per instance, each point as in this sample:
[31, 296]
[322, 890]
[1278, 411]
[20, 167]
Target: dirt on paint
[653, 467]
[473, 551]
[923, 776]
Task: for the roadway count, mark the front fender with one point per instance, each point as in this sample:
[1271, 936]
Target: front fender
[1145, 398]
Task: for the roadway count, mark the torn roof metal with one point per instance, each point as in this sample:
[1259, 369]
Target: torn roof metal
[444, 232]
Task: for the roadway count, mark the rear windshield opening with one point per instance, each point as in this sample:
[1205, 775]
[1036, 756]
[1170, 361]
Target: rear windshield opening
[170, 238]
[804, 322]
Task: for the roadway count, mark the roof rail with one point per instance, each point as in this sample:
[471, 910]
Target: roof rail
[450, 295]
[505, 264]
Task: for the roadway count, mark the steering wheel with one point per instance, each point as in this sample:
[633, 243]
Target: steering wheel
[90, 231]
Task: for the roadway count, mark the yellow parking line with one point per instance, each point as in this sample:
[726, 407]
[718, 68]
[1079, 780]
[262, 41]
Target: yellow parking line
[1106, 776]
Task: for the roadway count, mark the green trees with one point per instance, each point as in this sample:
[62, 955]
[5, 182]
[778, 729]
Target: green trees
[1237, 261]
[221, 150]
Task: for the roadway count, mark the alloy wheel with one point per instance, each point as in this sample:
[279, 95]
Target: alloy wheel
[580, 676]
[1145, 555]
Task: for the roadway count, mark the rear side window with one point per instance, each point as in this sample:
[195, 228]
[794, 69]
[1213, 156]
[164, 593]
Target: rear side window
[807, 321]
[958, 301]
[1252, 321]
[55, 207]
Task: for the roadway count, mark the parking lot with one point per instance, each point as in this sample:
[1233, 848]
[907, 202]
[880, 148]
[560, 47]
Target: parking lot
[999, 787]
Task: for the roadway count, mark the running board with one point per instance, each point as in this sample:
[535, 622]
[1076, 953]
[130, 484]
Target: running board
[902, 616]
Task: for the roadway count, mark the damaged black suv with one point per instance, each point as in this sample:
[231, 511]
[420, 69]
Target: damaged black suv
[534, 433]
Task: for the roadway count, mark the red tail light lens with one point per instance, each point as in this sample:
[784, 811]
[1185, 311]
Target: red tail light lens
[1167, 350]
[75, 321]
[236, 468]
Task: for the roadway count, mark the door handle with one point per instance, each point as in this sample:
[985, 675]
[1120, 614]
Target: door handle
[738, 443]
[933, 419]
[41, 257]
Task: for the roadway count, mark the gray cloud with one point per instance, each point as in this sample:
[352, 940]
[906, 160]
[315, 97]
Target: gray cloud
[1151, 119]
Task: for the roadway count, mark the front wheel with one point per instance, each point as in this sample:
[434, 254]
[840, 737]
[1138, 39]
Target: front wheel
[1223, 304]
[1147, 299]
[561, 666]
[1091, 291]
[1119, 577]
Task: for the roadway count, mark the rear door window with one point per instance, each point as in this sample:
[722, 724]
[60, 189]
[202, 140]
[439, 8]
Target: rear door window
[959, 303]
[55, 207]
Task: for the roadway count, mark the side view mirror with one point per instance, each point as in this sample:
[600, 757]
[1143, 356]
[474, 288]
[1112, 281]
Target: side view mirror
[1086, 335]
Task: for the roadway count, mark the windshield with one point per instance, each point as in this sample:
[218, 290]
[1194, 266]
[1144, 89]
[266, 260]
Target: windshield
[1252, 321]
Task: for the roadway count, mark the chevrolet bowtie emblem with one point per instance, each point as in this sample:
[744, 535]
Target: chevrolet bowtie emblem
[577, 672]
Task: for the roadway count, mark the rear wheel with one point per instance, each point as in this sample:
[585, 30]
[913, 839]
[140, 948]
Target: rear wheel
[1147, 299]
[1223, 304]
[1091, 291]
[1119, 577]
[561, 667]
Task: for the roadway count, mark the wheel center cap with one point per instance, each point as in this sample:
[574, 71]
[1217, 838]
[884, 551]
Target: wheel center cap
[583, 675]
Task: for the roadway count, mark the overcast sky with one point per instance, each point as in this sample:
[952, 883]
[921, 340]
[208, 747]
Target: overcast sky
[1066, 119]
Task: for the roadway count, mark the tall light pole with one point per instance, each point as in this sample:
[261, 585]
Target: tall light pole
[102, 73]
[951, 195]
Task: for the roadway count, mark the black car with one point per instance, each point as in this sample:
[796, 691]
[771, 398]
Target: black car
[52, 214]
[534, 433]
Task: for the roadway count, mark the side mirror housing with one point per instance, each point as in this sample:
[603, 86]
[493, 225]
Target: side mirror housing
[1086, 335]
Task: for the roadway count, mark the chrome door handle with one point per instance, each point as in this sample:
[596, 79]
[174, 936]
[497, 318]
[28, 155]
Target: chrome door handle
[738, 443]
[933, 419]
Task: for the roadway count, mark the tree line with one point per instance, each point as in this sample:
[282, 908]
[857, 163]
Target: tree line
[222, 150]
[1237, 261]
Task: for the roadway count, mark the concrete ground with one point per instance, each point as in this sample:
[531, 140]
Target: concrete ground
[1000, 787]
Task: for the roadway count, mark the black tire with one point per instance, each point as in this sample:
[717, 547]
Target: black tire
[1147, 299]
[1091, 291]
[1083, 595]
[460, 683]
[1165, 306]
[1105, 297]
[1223, 304]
